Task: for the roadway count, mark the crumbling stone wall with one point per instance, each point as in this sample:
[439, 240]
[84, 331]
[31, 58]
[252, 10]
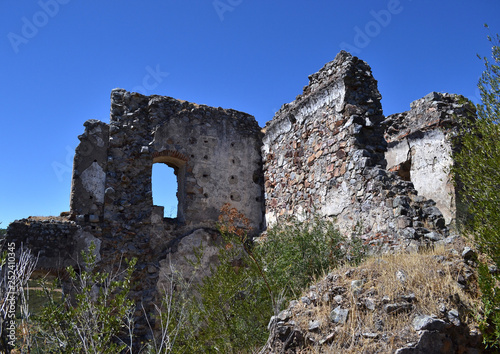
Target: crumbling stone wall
[215, 154]
[330, 152]
[56, 241]
[89, 172]
[324, 153]
[421, 143]
[313, 144]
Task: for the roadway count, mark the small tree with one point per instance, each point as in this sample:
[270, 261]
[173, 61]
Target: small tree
[477, 172]
[93, 320]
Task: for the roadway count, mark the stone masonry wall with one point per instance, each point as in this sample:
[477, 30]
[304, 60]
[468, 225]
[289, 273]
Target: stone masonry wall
[215, 154]
[56, 241]
[89, 172]
[324, 153]
[421, 143]
[311, 145]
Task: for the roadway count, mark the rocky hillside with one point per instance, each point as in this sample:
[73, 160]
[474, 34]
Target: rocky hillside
[404, 303]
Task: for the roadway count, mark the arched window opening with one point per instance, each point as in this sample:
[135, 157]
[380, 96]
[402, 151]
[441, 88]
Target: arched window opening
[165, 189]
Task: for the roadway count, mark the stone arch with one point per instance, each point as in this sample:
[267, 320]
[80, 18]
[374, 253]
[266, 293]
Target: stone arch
[178, 162]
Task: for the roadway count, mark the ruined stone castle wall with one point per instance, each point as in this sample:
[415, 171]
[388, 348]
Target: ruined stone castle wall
[421, 143]
[330, 152]
[312, 145]
[215, 154]
[55, 241]
[324, 153]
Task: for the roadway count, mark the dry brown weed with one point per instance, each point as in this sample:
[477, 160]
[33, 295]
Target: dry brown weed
[429, 278]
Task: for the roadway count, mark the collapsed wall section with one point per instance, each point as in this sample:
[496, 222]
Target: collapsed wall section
[421, 143]
[324, 154]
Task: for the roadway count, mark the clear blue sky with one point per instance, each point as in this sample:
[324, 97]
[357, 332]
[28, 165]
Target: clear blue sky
[61, 58]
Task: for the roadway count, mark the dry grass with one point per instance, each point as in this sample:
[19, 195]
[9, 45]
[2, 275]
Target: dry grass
[430, 276]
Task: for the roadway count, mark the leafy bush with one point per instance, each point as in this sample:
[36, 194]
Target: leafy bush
[253, 280]
[477, 173]
[233, 305]
[490, 297]
[295, 253]
[92, 320]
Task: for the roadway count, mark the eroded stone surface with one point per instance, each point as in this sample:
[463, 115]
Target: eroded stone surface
[94, 180]
[420, 146]
[325, 153]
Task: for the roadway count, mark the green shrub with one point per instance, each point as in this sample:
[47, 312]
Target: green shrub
[232, 307]
[490, 296]
[295, 253]
[93, 319]
[253, 281]
[477, 174]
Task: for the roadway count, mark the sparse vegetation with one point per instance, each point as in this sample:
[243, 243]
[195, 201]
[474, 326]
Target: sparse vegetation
[295, 253]
[91, 320]
[230, 311]
[254, 280]
[425, 281]
[477, 173]
[234, 304]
